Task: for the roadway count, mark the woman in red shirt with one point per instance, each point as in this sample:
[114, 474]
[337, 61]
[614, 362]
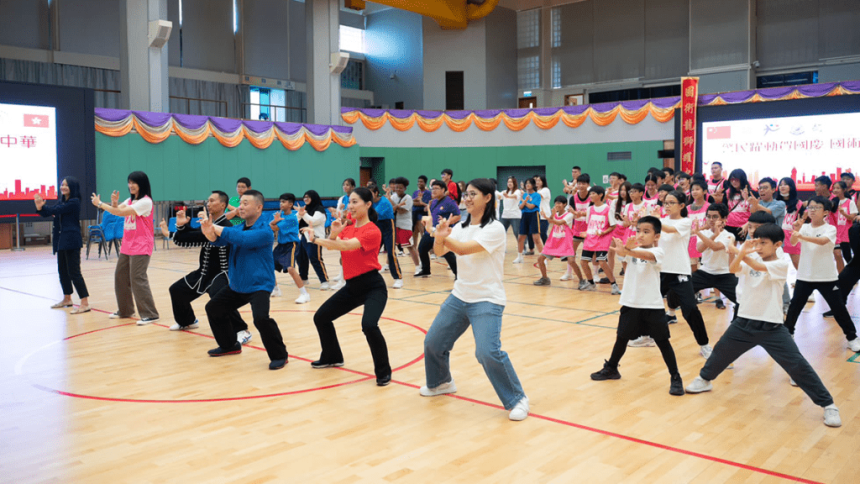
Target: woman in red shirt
[359, 246]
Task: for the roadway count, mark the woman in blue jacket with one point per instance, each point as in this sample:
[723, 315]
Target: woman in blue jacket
[67, 241]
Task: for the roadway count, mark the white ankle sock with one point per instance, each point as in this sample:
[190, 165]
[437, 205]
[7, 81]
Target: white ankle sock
[303, 291]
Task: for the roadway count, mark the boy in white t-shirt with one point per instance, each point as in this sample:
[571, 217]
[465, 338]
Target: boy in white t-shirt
[816, 270]
[762, 275]
[713, 242]
[641, 302]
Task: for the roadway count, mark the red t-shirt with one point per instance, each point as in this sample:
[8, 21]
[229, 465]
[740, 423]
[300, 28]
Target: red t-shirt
[452, 190]
[365, 258]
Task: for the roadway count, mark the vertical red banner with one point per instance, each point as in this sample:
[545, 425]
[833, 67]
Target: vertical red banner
[689, 103]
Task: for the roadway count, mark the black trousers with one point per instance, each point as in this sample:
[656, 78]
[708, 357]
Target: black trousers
[725, 283]
[851, 273]
[310, 253]
[745, 334]
[544, 226]
[424, 249]
[831, 293]
[678, 289]
[227, 300]
[69, 267]
[181, 297]
[369, 290]
[387, 228]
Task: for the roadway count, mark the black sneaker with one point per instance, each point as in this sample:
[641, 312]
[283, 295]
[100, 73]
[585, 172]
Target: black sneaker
[670, 319]
[720, 304]
[621, 273]
[563, 259]
[677, 386]
[604, 281]
[277, 364]
[219, 351]
[319, 364]
[383, 381]
[529, 252]
[607, 373]
[828, 314]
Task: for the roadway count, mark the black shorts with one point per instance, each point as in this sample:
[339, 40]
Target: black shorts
[636, 322]
[598, 255]
[530, 223]
[416, 217]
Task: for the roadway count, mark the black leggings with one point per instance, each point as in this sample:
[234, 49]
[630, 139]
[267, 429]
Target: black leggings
[679, 291]
[665, 349]
[424, 249]
[368, 290]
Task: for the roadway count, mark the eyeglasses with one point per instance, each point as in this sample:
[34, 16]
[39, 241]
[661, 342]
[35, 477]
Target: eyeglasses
[667, 203]
[470, 195]
[814, 209]
[435, 188]
[714, 217]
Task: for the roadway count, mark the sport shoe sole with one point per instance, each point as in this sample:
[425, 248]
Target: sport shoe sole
[320, 366]
[437, 391]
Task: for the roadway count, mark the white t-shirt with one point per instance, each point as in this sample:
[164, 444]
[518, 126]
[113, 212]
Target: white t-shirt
[816, 261]
[479, 276]
[512, 205]
[717, 262]
[642, 282]
[676, 246]
[545, 211]
[760, 293]
[403, 220]
[142, 207]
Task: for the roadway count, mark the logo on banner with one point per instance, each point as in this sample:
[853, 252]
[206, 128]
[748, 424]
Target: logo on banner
[720, 132]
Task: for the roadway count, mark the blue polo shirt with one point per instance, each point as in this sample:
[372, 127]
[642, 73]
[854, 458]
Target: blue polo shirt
[426, 197]
[444, 208]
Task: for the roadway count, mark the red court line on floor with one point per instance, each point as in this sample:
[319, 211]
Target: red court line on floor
[457, 397]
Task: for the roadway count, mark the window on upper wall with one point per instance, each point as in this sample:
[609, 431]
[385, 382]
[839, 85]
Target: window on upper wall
[793, 79]
[528, 49]
[555, 14]
[353, 76]
[556, 73]
[352, 40]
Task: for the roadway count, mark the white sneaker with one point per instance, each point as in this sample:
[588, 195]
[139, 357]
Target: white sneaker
[811, 298]
[518, 259]
[243, 337]
[521, 410]
[418, 270]
[303, 298]
[398, 284]
[706, 351]
[339, 285]
[177, 327]
[433, 256]
[641, 342]
[324, 286]
[831, 416]
[792, 382]
[442, 389]
[699, 385]
[385, 268]
[567, 277]
[277, 291]
[854, 345]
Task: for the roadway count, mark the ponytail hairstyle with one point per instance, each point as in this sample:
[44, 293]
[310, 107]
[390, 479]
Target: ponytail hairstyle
[367, 197]
[681, 197]
[486, 187]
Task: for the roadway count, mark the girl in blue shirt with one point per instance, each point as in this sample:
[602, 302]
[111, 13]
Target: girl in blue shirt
[285, 225]
[530, 223]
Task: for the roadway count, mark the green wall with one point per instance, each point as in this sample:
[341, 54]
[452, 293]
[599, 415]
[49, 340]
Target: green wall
[181, 171]
[469, 163]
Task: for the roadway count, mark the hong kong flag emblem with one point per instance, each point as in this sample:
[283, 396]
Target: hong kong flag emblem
[35, 121]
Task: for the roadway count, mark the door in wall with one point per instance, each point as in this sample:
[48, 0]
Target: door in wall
[372, 169]
[455, 95]
[520, 173]
[528, 102]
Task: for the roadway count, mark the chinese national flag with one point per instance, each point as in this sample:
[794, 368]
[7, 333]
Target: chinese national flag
[720, 132]
[35, 121]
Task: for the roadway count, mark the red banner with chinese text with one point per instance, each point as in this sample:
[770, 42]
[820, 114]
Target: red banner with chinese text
[689, 102]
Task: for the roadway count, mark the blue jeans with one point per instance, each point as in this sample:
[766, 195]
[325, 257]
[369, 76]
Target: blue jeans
[514, 223]
[453, 319]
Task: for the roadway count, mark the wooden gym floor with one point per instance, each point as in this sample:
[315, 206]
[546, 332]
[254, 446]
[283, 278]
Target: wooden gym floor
[89, 399]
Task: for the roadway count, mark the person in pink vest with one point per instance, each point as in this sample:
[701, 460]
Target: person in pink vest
[137, 243]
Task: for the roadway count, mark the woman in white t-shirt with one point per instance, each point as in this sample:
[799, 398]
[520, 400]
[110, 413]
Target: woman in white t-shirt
[511, 212]
[137, 243]
[478, 300]
[545, 210]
